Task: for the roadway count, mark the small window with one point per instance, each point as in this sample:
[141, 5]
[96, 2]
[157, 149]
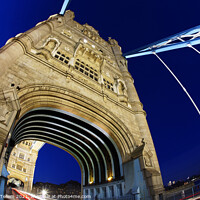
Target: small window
[58, 52]
[14, 154]
[76, 67]
[81, 70]
[86, 73]
[21, 155]
[66, 61]
[19, 167]
[24, 170]
[61, 59]
[87, 69]
[95, 79]
[82, 66]
[91, 76]
[13, 165]
[63, 55]
[56, 56]
[26, 143]
[28, 159]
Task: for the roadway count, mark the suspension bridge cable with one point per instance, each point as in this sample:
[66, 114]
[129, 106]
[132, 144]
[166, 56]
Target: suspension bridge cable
[178, 82]
[64, 7]
[189, 45]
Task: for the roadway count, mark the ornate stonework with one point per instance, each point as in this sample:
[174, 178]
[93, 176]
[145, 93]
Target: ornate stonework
[63, 66]
[21, 165]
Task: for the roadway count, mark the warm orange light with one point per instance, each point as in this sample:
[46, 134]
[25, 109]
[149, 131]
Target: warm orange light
[91, 182]
[110, 178]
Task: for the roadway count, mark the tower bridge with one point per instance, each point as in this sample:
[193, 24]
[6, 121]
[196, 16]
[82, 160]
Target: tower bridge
[61, 83]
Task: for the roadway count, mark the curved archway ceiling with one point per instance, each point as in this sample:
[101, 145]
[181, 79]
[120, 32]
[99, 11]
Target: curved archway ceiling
[95, 151]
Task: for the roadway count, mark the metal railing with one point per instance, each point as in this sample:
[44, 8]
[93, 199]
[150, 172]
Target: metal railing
[184, 194]
[120, 198]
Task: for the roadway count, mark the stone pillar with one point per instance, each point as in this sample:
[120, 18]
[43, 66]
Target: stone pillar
[135, 181]
[9, 108]
[123, 188]
[108, 193]
[154, 180]
[116, 193]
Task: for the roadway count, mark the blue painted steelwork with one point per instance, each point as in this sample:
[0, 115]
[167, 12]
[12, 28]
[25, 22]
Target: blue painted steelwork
[187, 38]
[64, 7]
[183, 39]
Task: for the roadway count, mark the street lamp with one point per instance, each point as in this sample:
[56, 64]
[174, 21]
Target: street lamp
[44, 192]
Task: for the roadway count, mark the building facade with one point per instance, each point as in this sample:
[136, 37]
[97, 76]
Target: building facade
[64, 84]
[68, 190]
[21, 165]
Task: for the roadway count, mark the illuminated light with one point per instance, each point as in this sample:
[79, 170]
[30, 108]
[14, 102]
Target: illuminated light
[91, 182]
[85, 40]
[93, 46]
[110, 178]
[44, 192]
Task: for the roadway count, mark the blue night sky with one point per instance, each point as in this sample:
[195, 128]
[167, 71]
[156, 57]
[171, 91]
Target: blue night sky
[173, 121]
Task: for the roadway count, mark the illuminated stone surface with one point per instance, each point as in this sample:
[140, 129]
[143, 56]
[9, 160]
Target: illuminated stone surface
[66, 69]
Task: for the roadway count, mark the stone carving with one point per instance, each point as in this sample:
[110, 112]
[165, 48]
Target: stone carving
[147, 161]
[147, 156]
[51, 44]
[90, 55]
[67, 33]
[120, 86]
[91, 29]
[49, 48]
[93, 34]
[5, 109]
[120, 89]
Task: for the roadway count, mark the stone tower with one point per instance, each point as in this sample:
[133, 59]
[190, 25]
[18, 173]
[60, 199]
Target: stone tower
[63, 84]
[21, 165]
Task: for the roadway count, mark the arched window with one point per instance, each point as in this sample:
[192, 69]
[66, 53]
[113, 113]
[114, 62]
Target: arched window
[19, 167]
[21, 155]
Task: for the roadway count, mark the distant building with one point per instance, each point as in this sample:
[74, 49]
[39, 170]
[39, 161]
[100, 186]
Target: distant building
[21, 164]
[183, 189]
[71, 189]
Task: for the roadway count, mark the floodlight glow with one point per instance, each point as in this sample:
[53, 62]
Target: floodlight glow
[44, 192]
[85, 40]
[110, 178]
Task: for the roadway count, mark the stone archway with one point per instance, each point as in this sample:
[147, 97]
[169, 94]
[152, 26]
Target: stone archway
[63, 69]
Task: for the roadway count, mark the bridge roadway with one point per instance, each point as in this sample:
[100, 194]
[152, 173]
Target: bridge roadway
[18, 194]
